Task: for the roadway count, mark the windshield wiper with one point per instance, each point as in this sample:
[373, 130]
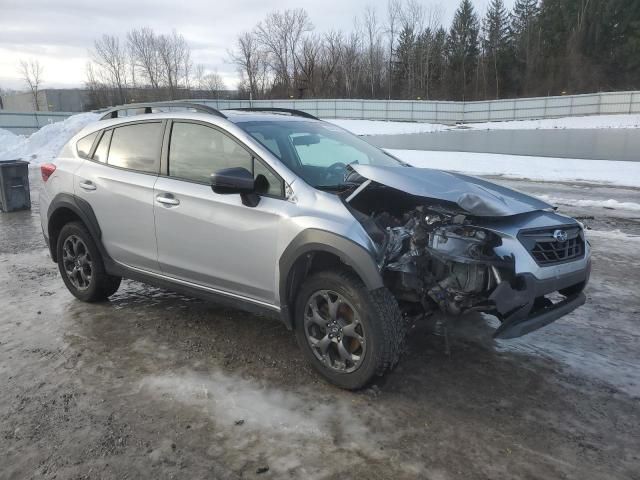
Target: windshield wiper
[339, 186]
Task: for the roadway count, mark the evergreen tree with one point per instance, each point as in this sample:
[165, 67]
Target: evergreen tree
[404, 66]
[495, 42]
[438, 66]
[525, 38]
[462, 48]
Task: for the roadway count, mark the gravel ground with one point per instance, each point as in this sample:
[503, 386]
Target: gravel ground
[156, 385]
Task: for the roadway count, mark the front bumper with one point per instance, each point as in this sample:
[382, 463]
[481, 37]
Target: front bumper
[522, 306]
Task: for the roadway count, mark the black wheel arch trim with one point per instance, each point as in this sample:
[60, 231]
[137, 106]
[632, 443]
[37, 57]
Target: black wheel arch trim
[313, 240]
[83, 210]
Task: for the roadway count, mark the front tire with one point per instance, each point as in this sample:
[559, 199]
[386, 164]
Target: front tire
[348, 333]
[81, 265]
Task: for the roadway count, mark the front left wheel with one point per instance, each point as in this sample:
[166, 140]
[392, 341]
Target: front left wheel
[81, 265]
[348, 333]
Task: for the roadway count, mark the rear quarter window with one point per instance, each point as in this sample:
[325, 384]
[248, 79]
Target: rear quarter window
[83, 146]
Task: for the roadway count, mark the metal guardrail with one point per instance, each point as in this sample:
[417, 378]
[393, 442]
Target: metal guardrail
[453, 112]
[401, 110]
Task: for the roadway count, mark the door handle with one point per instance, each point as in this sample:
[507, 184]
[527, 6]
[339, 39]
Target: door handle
[168, 200]
[88, 185]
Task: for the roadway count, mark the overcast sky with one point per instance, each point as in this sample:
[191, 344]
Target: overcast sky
[59, 33]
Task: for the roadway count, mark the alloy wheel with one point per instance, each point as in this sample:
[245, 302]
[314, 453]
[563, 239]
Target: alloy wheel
[77, 261]
[334, 332]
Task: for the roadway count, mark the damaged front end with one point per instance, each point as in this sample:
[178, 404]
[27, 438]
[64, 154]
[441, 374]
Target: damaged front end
[434, 255]
[438, 260]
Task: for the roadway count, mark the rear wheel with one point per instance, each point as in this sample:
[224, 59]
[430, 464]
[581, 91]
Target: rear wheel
[348, 333]
[81, 265]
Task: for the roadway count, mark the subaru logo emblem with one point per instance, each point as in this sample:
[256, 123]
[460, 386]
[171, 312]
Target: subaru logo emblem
[560, 236]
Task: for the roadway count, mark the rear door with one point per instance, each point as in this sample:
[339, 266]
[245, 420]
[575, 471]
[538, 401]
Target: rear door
[210, 239]
[117, 181]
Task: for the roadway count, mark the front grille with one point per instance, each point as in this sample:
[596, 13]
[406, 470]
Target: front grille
[548, 250]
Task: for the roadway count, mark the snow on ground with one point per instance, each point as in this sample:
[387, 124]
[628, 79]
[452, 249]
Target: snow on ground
[574, 202]
[544, 169]
[380, 127]
[592, 121]
[43, 145]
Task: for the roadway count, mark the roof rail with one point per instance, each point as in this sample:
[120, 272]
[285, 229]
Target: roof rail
[292, 112]
[148, 108]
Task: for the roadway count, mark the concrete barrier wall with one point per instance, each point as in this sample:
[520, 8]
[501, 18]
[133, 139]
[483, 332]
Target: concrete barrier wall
[455, 112]
[27, 123]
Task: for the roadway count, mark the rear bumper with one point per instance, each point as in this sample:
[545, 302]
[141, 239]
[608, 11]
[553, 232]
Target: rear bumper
[524, 308]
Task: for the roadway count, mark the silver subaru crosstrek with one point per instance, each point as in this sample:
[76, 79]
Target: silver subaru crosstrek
[277, 212]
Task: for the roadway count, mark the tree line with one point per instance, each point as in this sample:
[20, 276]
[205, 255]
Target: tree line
[401, 51]
[146, 66]
[546, 47]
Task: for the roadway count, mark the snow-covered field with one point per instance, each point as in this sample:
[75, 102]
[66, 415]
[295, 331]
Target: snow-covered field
[543, 169]
[378, 127]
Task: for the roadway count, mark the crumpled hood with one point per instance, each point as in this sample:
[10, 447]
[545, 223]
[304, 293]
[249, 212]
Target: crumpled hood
[474, 195]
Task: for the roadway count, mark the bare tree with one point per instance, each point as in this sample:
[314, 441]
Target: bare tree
[213, 84]
[331, 53]
[350, 62]
[251, 61]
[374, 49]
[32, 73]
[280, 35]
[308, 59]
[175, 59]
[112, 58]
[143, 44]
[394, 10]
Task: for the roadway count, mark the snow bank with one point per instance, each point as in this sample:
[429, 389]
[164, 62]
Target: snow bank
[43, 145]
[574, 202]
[534, 168]
[379, 127]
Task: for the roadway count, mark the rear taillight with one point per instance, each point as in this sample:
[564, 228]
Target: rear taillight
[46, 170]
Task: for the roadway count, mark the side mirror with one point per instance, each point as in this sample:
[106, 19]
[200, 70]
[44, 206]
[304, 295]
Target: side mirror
[233, 180]
[236, 180]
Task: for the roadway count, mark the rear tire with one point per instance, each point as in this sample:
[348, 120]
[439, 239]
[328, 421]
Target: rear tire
[348, 333]
[81, 265]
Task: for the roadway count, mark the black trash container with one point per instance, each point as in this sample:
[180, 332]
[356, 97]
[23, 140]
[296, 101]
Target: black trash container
[14, 185]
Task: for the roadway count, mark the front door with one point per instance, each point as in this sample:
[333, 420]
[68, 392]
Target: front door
[214, 240]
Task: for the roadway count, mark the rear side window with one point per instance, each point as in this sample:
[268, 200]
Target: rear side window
[83, 146]
[136, 147]
[102, 150]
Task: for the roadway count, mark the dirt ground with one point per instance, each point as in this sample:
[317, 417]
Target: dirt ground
[156, 385]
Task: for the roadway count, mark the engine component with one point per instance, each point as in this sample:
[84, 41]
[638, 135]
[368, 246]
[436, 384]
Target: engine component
[438, 258]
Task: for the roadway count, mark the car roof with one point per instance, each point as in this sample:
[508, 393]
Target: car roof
[239, 116]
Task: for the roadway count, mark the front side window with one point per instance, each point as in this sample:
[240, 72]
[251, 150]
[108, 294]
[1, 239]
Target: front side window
[83, 146]
[196, 151]
[136, 147]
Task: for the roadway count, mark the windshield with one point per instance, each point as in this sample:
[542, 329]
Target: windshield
[318, 152]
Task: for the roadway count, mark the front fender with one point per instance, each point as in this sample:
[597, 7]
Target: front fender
[314, 240]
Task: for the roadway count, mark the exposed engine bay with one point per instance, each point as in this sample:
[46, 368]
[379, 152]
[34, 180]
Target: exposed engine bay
[431, 254]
